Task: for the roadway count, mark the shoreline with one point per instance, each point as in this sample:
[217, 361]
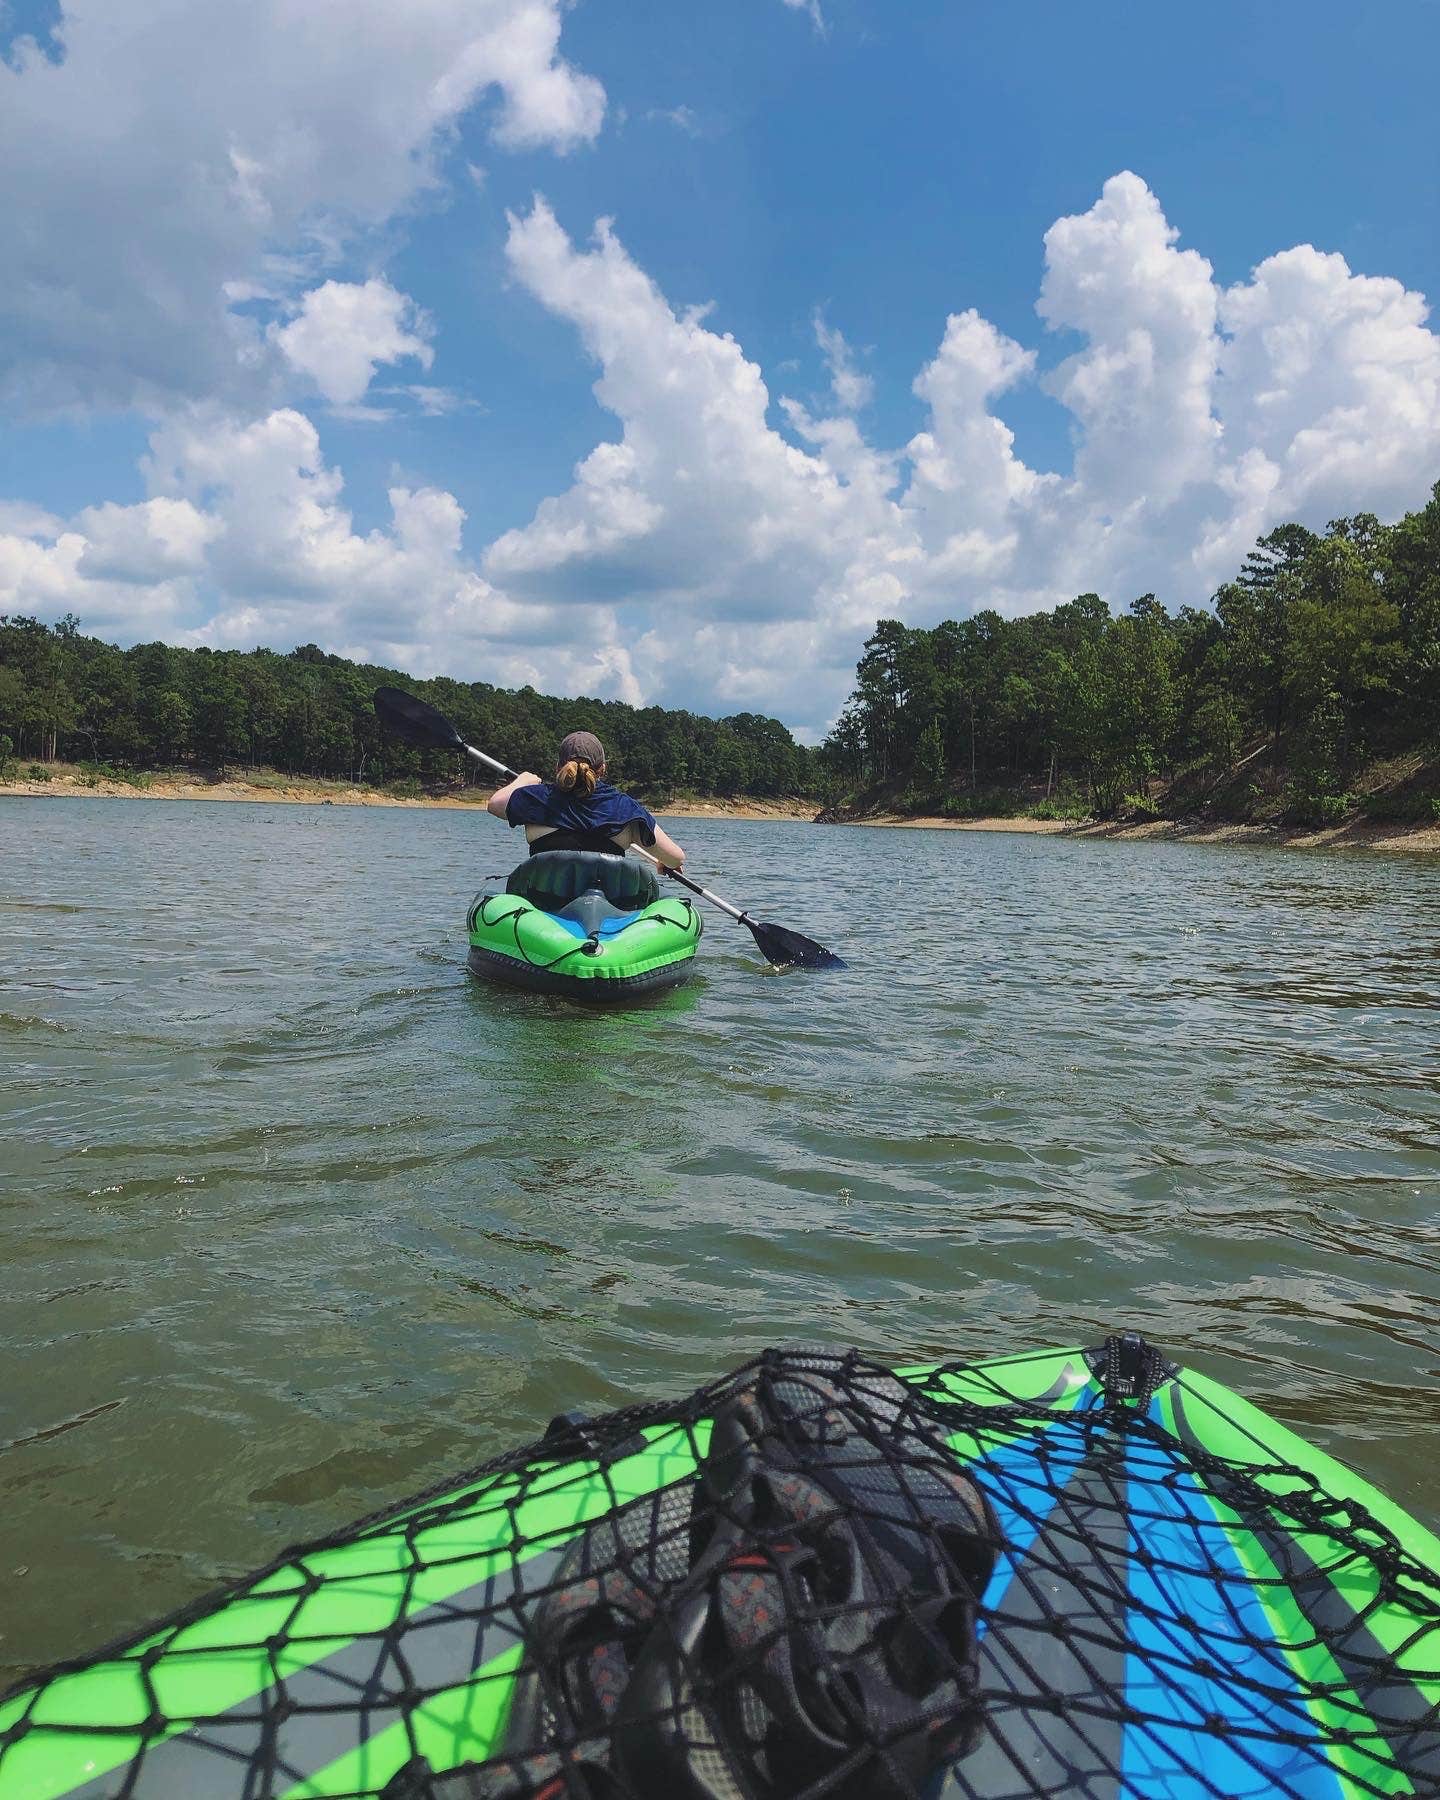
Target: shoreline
[794, 812]
[1356, 834]
[302, 791]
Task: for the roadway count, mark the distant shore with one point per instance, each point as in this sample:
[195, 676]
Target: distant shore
[1359, 834]
[267, 786]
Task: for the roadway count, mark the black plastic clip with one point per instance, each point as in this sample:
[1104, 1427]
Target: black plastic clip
[576, 1437]
[570, 1434]
[1129, 1369]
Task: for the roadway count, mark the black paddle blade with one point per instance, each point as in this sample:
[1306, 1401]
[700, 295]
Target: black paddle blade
[416, 721]
[789, 950]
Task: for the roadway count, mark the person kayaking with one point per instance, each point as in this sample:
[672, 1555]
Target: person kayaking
[579, 809]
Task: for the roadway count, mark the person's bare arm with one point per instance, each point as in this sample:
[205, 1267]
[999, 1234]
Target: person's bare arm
[500, 799]
[667, 850]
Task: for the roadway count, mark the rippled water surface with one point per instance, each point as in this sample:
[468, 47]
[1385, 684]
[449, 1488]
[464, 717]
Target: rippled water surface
[296, 1215]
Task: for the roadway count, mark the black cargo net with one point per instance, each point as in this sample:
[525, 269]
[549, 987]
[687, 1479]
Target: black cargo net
[812, 1578]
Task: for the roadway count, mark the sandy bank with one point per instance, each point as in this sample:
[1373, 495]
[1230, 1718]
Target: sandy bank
[1360, 834]
[66, 783]
[282, 793]
[803, 810]
[1357, 834]
[922, 822]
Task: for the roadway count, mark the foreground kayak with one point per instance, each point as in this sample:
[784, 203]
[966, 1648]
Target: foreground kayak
[1067, 1572]
[586, 925]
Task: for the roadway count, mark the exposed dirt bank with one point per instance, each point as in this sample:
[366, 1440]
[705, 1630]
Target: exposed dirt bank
[1362, 834]
[1356, 834]
[737, 809]
[282, 790]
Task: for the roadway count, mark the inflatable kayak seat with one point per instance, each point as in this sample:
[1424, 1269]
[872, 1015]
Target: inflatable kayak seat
[552, 879]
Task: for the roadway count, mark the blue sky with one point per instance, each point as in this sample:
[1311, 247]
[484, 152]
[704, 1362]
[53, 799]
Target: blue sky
[186, 452]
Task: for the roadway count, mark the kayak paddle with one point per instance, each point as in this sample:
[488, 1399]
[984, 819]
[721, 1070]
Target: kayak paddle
[421, 724]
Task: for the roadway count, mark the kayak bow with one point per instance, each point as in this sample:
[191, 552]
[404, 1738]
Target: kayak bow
[1081, 1572]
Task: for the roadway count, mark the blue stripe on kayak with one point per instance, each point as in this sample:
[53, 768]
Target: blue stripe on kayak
[608, 928]
[1194, 1604]
[1252, 1689]
[1063, 1518]
[1021, 1481]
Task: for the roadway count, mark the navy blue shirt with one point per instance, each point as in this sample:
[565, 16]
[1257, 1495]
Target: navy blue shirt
[606, 810]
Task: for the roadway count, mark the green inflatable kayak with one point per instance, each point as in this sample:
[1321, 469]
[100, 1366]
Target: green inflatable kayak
[1068, 1572]
[583, 924]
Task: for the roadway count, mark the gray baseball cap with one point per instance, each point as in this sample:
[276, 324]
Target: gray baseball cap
[582, 746]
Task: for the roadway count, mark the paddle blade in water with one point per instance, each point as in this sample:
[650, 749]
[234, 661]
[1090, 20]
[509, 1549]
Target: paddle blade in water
[413, 719]
[790, 950]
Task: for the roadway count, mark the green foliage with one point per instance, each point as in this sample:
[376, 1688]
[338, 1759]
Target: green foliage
[37, 772]
[987, 803]
[1072, 810]
[1316, 795]
[930, 754]
[1320, 809]
[91, 774]
[1246, 801]
[1323, 651]
[116, 712]
[1218, 730]
[1141, 808]
[1410, 795]
[7, 757]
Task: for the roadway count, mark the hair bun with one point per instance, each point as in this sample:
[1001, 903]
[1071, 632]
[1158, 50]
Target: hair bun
[576, 776]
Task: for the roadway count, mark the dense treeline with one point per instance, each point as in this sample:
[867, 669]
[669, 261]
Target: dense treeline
[74, 698]
[1322, 655]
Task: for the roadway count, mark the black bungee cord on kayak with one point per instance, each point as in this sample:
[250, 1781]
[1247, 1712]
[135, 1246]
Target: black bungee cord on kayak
[484, 909]
[423, 725]
[817, 1616]
[804, 1622]
[1082, 1573]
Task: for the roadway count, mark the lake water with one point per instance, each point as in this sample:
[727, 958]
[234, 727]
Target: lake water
[296, 1215]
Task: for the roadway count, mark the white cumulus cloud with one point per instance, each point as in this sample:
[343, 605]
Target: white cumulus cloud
[730, 548]
[751, 568]
[180, 161]
[19, 518]
[246, 538]
[343, 330]
[146, 543]
[1141, 390]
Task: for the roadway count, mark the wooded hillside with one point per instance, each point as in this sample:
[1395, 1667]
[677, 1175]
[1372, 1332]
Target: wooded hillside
[1321, 658]
[67, 696]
